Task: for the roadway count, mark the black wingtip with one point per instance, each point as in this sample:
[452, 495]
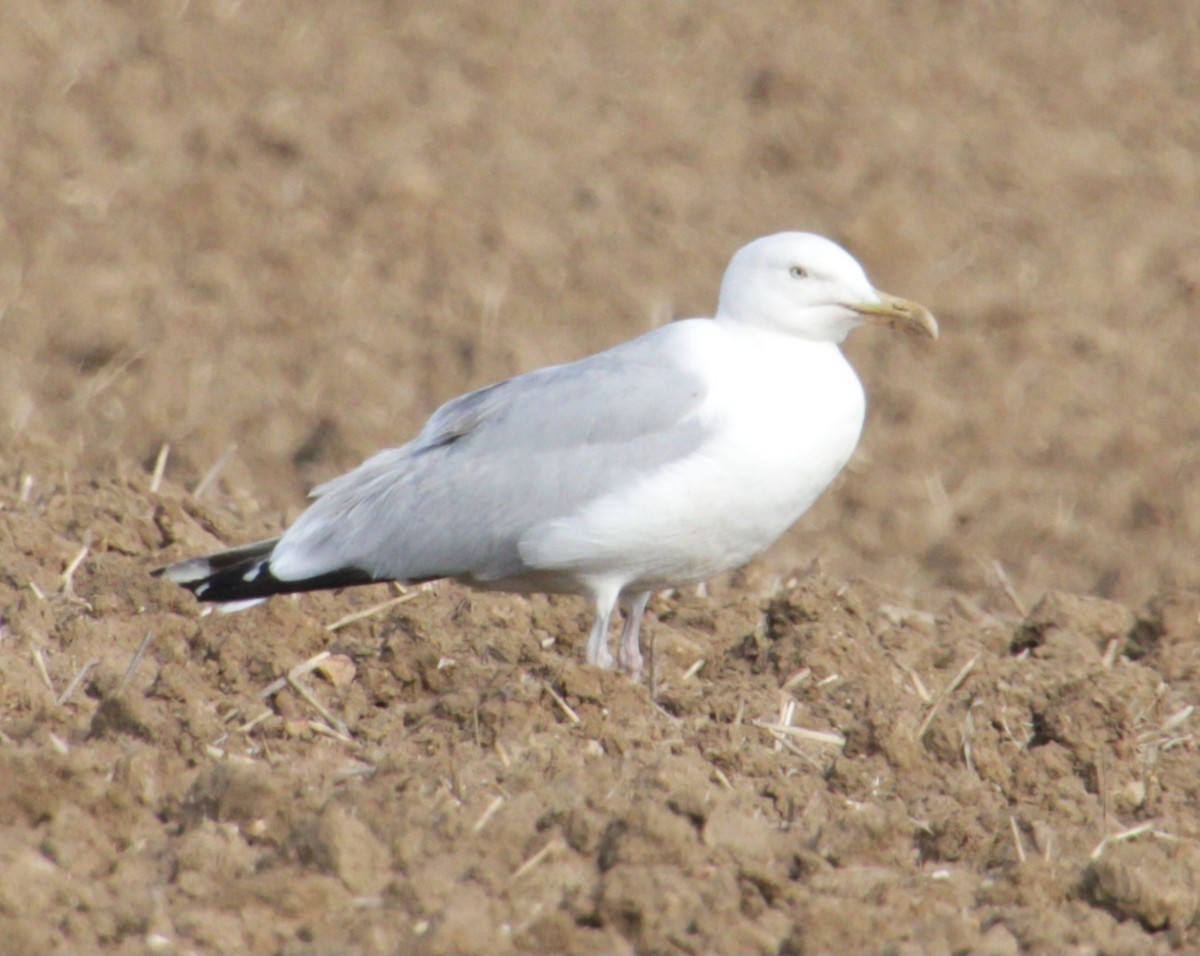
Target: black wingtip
[244, 574]
[243, 584]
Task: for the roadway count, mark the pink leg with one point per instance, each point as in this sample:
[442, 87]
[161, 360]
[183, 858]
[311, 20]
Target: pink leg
[629, 654]
[597, 646]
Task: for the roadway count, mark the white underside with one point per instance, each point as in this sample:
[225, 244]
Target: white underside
[787, 414]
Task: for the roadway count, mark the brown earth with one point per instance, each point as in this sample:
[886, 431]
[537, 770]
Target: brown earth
[274, 237]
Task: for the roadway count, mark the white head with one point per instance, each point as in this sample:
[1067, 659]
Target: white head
[807, 286]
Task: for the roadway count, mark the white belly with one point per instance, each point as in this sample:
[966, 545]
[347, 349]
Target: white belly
[782, 428]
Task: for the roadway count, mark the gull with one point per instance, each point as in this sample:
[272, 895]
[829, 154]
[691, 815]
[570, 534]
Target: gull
[657, 463]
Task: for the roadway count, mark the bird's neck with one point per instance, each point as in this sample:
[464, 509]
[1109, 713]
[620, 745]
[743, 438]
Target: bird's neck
[781, 336]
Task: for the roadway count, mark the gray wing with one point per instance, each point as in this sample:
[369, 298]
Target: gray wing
[491, 464]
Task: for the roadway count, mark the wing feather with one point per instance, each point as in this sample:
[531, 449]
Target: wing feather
[492, 464]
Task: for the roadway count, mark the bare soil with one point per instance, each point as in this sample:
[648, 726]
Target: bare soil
[950, 712]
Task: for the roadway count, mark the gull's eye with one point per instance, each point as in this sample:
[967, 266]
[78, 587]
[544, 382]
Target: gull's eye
[798, 272]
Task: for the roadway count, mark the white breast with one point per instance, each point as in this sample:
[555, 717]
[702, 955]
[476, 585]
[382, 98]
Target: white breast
[785, 415]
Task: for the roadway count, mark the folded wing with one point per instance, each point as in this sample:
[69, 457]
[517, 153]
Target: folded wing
[494, 463]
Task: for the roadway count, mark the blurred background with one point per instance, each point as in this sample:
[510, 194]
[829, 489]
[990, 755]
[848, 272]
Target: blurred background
[292, 230]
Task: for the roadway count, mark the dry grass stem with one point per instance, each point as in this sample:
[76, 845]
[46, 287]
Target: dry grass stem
[358, 770]
[272, 688]
[65, 583]
[370, 611]
[1006, 586]
[1048, 845]
[797, 678]
[211, 475]
[487, 814]
[1177, 718]
[58, 743]
[823, 737]
[787, 709]
[327, 731]
[309, 698]
[968, 736]
[918, 684]
[39, 662]
[336, 726]
[234, 758]
[675, 721]
[693, 670]
[75, 682]
[552, 847]
[1132, 832]
[793, 749]
[299, 670]
[950, 689]
[160, 467]
[1016, 835]
[1120, 837]
[1110, 653]
[253, 722]
[136, 661]
[107, 376]
[566, 708]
